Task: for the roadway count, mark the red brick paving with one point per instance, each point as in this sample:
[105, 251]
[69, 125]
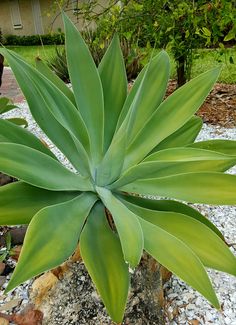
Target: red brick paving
[10, 87]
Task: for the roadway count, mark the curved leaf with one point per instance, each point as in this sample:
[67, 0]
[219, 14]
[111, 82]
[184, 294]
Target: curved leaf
[205, 187]
[183, 136]
[44, 250]
[178, 258]
[172, 114]
[114, 82]
[211, 250]
[128, 227]
[14, 134]
[227, 147]
[170, 206]
[42, 111]
[20, 201]
[176, 161]
[102, 255]
[50, 75]
[18, 121]
[38, 169]
[86, 85]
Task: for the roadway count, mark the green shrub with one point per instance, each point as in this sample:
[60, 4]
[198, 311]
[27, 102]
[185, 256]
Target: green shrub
[30, 40]
[119, 144]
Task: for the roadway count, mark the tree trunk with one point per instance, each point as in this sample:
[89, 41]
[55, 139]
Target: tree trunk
[181, 73]
[74, 300]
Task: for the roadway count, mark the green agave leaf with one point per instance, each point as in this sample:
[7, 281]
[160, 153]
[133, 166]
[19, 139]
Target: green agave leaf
[176, 161]
[149, 94]
[111, 166]
[114, 82]
[183, 136]
[172, 114]
[202, 187]
[20, 201]
[42, 112]
[44, 250]
[178, 258]
[5, 105]
[170, 206]
[50, 75]
[153, 67]
[102, 255]
[128, 227]
[38, 169]
[18, 121]
[14, 134]
[87, 87]
[211, 250]
[227, 147]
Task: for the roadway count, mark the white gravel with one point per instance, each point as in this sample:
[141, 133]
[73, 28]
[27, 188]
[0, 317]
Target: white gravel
[184, 305]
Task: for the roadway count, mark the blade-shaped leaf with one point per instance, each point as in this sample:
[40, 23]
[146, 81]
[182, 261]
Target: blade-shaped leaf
[150, 93]
[205, 187]
[86, 85]
[50, 75]
[102, 255]
[38, 169]
[18, 121]
[178, 258]
[42, 112]
[20, 201]
[211, 250]
[114, 82]
[11, 133]
[6, 105]
[183, 136]
[128, 227]
[44, 250]
[227, 147]
[172, 114]
[170, 206]
[176, 161]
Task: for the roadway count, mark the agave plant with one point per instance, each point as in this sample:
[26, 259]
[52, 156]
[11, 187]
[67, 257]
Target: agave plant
[6, 106]
[122, 147]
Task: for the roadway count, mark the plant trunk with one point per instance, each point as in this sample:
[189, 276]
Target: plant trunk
[74, 300]
[181, 73]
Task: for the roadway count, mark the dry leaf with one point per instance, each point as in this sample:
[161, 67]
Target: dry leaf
[4, 321]
[10, 304]
[30, 317]
[194, 322]
[2, 267]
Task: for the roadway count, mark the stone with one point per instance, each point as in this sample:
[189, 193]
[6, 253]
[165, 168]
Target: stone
[73, 299]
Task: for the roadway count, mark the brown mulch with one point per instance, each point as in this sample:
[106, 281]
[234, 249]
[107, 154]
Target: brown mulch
[219, 107]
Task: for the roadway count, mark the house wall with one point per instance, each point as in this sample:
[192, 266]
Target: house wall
[51, 20]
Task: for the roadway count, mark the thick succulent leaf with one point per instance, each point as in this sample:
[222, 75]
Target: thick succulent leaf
[38, 169]
[136, 86]
[227, 147]
[176, 161]
[172, 114]
[211, 250]
[42, 112]
[5, 105]
[102, 255]
[14, 134]
[183, 136]
[18, 121]
[128, 227]
[114, 82]
[149, 95]
[111, 166]
[20, 202]
[44, 250]
[177, 257]
[203, 187]
[50, 75]
[170, 206]
[86, 85]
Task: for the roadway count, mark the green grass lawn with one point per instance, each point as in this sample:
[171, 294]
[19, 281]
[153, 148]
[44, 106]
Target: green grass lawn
[206, 59]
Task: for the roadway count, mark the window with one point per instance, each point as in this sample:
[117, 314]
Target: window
[15, 14]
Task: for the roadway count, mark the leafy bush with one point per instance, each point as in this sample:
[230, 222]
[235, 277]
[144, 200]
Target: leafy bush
[119, 145]
[133, 56]
[29, 40]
